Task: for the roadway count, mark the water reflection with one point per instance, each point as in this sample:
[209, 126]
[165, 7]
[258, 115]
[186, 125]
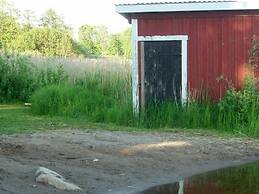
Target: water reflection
[235, 180]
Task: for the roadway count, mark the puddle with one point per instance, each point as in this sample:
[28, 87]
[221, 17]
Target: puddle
[242, 179]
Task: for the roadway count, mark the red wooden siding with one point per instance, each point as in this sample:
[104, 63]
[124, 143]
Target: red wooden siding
[218, 44]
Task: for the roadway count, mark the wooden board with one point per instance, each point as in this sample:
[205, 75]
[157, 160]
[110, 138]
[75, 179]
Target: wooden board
[218, 45]
[162, 71]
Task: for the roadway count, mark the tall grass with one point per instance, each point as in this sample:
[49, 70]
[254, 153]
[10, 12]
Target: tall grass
[102, 98]
[19, 77]
[96, 97]
[78, 67]
[101, 92]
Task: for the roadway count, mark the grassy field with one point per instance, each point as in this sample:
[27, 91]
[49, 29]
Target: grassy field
[84, 91]
[16, 118]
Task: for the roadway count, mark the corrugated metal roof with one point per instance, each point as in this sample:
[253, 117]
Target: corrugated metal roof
[152, 2]
[147, 6]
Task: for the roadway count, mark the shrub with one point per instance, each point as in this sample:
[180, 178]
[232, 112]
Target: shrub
[44, 41]
[242, 106]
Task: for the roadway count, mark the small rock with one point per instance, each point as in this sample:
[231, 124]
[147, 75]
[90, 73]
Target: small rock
[27, 104]
[47, 176]
[91, 147]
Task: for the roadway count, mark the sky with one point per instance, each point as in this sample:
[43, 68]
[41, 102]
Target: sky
[79, 12]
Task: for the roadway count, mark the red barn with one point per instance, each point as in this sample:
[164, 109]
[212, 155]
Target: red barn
[185, 48]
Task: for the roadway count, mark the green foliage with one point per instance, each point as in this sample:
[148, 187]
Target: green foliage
[52, 20]
[53, 39]
[19, 78]
[94, 39]
[98, 98]
[20, 31]
[108, 99]
[9, 29]
[242, 106]
[105, 96]
[44, 41]
[253, 53]
[28, 19]
[126, 41]
[97, 41]
[115, 46]
[16, 78]
[120, 44]
[18, 119]
[79, 49]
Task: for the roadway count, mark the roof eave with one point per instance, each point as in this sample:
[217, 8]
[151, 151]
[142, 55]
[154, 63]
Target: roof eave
[180, 7]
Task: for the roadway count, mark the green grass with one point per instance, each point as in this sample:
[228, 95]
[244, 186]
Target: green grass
[18, 119]
[97, 97]
[15, 119]
[97, 104]
[102, 94]
[19, 77]
[106, 98]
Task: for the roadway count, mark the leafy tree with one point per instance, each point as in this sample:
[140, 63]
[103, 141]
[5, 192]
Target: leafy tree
[125, 38]
[115, 46]
[79, 49]
[9, 25]
[120, 44]
[28, 19]
[19, 31]
[45, 41]
[94, 39]
[52, 20]
[9, 29]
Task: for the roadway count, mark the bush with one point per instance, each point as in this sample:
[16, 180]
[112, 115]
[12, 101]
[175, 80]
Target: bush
[45, 41]
[242, 107]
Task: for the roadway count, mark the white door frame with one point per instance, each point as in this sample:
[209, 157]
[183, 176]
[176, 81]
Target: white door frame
[135, 76]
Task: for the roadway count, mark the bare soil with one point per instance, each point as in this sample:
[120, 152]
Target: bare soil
[115, 162]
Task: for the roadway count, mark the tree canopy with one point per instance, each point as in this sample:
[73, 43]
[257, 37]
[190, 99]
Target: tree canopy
[51, 19]
[49, 35]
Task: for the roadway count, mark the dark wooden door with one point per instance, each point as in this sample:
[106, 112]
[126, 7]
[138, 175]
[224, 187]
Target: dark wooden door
[162, 71]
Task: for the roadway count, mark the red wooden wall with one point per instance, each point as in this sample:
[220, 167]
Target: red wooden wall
[218, 44]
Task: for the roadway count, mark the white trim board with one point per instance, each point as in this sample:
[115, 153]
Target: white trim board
[135, 77]
[188, 6]
[135, 62]
[163, 38]
[183, 39]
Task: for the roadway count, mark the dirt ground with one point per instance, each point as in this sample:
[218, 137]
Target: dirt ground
[114, 162]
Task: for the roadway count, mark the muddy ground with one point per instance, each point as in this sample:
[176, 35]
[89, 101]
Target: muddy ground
[114, 162]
